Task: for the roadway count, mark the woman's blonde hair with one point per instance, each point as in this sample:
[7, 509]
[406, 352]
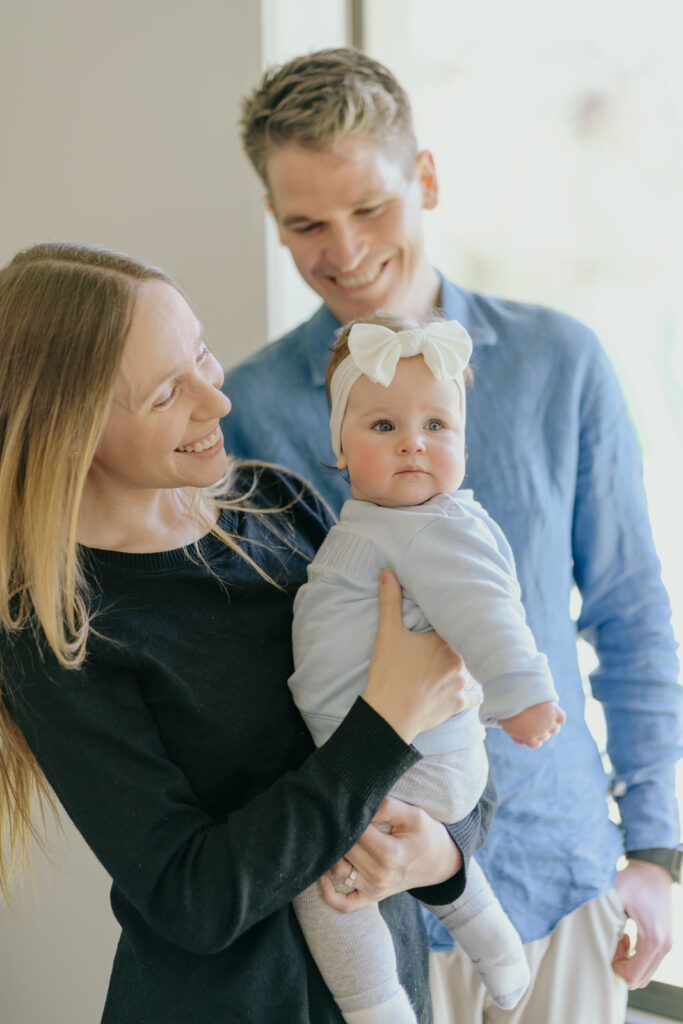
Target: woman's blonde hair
[65, 311]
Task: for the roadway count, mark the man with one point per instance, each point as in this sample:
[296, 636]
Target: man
[552, 456]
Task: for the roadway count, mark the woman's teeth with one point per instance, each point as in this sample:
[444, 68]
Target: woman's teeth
[201, 446]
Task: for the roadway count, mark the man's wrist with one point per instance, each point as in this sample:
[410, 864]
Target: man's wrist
[670, 859]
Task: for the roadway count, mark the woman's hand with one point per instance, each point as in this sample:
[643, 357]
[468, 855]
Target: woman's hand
[409, 849]
[415, 680]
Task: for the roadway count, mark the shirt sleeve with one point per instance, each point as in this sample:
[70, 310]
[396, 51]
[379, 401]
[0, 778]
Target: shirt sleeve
[626, 615]
[468, 591]
[198, 881]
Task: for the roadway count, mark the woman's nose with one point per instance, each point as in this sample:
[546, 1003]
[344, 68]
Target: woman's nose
[211, 403]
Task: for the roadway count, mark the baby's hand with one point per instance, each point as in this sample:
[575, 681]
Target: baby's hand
[534, 725]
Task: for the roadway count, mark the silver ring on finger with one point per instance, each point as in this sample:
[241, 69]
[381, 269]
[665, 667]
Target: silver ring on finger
[348, 885]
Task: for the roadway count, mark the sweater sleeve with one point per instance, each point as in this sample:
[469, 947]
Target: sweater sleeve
[198, 882]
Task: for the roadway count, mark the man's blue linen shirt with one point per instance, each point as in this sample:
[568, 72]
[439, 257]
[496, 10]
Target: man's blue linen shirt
[553, 458]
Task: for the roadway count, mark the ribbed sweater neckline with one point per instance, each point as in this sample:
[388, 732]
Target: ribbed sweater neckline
[207, 546]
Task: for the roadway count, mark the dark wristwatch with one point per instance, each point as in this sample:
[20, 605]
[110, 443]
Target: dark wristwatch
[672, 860]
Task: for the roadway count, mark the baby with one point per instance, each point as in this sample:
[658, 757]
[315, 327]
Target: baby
[397, 396]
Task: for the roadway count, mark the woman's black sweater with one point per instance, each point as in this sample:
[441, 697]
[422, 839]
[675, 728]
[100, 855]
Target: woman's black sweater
[180, 757]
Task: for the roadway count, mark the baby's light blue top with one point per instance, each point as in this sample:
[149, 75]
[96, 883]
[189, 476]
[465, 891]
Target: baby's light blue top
[458, 577]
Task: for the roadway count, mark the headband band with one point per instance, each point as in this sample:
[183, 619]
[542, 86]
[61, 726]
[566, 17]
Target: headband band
[374, 352]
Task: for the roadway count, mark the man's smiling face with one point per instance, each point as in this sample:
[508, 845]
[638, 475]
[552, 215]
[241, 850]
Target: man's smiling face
[352, 221]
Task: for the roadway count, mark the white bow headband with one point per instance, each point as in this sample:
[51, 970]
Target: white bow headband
[374, 352]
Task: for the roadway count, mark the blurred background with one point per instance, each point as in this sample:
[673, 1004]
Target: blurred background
[557, 133]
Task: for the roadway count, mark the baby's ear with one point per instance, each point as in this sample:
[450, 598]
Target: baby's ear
[341, 462]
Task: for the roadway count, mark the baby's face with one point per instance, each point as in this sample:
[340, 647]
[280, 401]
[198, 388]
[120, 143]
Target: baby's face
[406, 443]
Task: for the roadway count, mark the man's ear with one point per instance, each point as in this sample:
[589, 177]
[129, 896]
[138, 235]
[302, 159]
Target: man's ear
[426, 175]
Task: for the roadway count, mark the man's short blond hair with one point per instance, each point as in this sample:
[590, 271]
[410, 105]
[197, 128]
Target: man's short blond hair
[314, 100]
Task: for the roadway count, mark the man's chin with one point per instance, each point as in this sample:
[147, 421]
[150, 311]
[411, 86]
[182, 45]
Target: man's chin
[355, 307]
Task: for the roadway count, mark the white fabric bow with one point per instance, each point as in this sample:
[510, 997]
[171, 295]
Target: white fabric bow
[374, 351]
[444, 345]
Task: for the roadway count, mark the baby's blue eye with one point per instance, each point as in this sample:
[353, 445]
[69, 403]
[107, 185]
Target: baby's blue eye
[382, 426]
[434, 425]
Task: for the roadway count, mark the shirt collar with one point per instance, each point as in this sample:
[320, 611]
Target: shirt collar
[321, 328]
[456, 303]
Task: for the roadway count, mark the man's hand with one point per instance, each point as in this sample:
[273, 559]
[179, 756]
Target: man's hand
[416, 851]
[645, 890]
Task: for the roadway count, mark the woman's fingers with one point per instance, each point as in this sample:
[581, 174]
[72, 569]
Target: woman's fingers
[343, 902]
[344, 876]
[403, 848]
[415, 680]
[471, 693]
[390, 598]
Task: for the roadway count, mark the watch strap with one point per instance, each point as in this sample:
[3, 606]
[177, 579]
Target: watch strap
[671, 859]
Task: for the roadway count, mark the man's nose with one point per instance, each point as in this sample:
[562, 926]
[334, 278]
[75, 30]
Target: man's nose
[346, 248]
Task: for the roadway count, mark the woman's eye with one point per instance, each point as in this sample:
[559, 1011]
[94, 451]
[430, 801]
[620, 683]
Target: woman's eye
[382, 426]
[166, 399]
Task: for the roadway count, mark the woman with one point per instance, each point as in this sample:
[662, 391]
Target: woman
[146, 589]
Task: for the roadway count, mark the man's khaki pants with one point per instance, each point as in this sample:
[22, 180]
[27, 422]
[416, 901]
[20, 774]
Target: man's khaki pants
[572, 981]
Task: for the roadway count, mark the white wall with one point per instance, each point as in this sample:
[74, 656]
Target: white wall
[118, 126]
[316, 26]
[58, 943]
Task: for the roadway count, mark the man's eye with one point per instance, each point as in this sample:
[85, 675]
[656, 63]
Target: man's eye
[305, 229]
[370, 211]
[382, 426]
